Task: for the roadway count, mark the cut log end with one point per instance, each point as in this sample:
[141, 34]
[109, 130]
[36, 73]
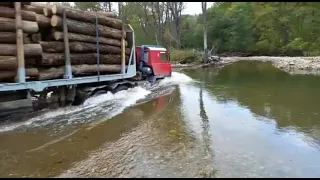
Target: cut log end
[54, 9]
[54, 20]
[47, 12]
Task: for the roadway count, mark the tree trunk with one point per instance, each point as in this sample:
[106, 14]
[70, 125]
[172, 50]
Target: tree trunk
[9, 75]
[205, 45]
[58, 36]
[10, 13]
[86, 28]
[10, 37]
[58, 59]
[29, 50]
[8, 25]
[11, 62]
[80, 47]
[37, 10]
[87, 16]
[43, 21]
[54, 73]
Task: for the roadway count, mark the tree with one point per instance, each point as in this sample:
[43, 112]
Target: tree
[205, 43]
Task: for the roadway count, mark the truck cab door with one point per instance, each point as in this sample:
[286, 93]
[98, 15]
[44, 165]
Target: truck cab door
[162, 66]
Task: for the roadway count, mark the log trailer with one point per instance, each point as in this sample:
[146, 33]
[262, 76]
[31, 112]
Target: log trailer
[147, 64]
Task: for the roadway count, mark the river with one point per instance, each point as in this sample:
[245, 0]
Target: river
[247, 119]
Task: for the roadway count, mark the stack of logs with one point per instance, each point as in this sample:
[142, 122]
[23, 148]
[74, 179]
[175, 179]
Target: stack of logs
[44, 41]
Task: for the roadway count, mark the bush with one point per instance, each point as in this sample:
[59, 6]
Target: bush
[184, 56]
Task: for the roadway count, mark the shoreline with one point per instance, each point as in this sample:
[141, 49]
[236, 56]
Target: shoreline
[291, 65]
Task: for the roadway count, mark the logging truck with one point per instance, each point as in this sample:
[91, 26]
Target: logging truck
[84, 55]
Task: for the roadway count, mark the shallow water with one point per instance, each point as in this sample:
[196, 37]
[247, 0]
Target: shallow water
[245, 120]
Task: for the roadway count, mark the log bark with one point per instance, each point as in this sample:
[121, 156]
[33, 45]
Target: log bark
[8, 25]
[29, 50]
[58, 36]
[10, 13]
[11, 62]
[36, 38]
[80, 47]
[58, 59]
[54, 73]
[6, 75]
[43, 21]
[10, 38]
[87, 69]
[87, 16]
[37, 10]
[108, 14]
[86, 28]
[37, 4]
[8, 62]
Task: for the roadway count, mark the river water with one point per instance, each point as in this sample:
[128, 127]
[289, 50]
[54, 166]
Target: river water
[247, 119]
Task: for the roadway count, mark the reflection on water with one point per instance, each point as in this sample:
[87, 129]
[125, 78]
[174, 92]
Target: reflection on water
[245, 120]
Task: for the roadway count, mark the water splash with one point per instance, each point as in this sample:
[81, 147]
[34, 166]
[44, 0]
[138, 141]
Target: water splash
[95, 109]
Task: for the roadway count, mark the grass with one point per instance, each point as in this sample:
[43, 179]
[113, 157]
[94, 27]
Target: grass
[184, 56]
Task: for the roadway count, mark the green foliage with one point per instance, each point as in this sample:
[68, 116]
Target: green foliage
[189, 56]
[262, 28]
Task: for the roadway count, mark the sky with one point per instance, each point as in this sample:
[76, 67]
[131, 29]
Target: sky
[193, 8]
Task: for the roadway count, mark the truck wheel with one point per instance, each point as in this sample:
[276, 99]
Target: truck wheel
[98, 92]
[119, 88]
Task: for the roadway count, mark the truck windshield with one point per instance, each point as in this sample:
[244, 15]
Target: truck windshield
[164, 57]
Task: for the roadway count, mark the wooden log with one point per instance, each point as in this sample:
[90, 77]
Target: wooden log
[58, 36]
[36, 38]
[11, 62]
[29, 50]
[37, 4]
[8, 25]
[8, 62]
[80, 47]
[47, 11]
[10, 13]
[11, 4]
[87, 16]
[31, 72]
[84, 69]
[37, 10]
[43, 21]
[108, 14]
[10, 38]
[58, 59]
[85, 28]
[54, 73]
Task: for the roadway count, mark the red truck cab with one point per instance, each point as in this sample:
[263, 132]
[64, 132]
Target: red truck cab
[154, 57]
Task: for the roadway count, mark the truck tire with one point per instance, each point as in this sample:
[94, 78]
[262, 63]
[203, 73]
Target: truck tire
[98, 92]
[119, 88]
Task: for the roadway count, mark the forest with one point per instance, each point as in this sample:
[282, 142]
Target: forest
[252, 28]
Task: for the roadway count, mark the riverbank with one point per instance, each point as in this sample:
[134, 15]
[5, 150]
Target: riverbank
[292, 65]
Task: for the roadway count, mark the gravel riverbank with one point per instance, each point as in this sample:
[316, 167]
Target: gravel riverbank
[292, 65]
